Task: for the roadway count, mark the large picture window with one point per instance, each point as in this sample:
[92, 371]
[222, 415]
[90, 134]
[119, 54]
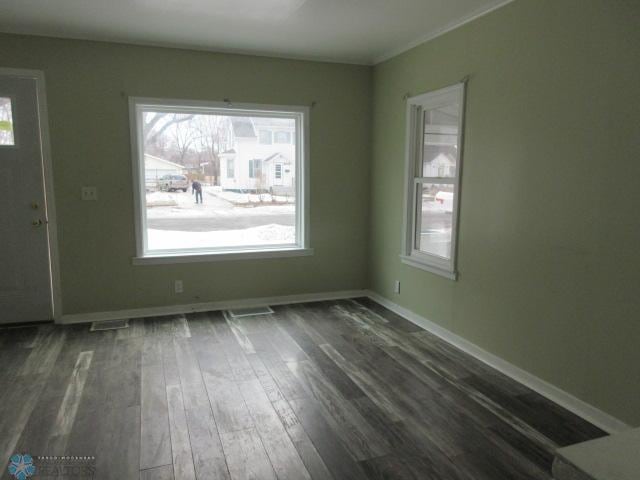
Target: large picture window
[434, 158]
[209, 187]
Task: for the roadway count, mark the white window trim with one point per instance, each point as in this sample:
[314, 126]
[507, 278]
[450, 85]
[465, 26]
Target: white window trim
[301, 248]
[415, 130]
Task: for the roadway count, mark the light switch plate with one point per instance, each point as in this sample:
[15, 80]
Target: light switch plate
[89, 194]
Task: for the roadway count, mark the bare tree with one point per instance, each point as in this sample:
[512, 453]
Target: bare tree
[213, 140]
[183, 136]
[156, 123]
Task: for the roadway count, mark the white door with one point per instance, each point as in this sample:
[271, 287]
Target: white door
[278, 174]
[25, 278]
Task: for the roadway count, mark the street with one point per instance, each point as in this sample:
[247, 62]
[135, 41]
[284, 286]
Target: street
[210, 224]
[179, 212]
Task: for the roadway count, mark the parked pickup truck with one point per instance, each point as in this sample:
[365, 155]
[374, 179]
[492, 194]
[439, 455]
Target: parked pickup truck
[172, 183]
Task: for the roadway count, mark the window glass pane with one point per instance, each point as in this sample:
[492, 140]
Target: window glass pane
[6, 122]
[210, 182]
[435, 218]
[440, 141]
[282, 137]
[265, 137]
[230, 168]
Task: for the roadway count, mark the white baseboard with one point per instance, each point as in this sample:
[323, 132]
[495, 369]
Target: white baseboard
[209, 306]
[590, 413]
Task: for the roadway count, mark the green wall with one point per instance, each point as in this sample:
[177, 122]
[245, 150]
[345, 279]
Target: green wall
[549, 227]
[87, 87]
[549, 232]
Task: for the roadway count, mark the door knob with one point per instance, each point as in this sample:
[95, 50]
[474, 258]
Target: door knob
[37, 223]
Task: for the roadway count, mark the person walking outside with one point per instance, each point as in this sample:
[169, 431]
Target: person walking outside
[196, 189]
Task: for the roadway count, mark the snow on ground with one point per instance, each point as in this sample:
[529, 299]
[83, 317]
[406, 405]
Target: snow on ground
[246, 198]
[183, 205]
[271, 234]
[161, 199]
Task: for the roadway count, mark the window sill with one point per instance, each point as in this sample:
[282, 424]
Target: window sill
[221, 256]
[429, 268]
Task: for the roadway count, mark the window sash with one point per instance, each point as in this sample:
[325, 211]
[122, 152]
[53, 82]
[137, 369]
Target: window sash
[300, 114]
[416, 107]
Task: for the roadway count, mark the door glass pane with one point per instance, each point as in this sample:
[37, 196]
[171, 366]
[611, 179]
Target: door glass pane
[435, 218]
[6, 122]
[440, 157]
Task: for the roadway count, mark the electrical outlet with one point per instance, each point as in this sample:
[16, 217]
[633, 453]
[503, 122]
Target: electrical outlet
[89, 194]
[396, 286]
[178, 287]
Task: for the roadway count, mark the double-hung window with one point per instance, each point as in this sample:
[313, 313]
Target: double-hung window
[433, 166]
[197, 166]
[230, 168]
[255, 168]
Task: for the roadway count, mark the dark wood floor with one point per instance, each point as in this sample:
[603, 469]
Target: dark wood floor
[342, 390]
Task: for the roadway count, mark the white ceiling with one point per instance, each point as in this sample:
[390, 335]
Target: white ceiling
[351, 31]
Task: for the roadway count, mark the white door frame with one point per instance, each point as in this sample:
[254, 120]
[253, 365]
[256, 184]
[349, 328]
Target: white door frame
[47, 169]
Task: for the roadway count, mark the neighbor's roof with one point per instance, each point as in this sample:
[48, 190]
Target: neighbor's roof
[276, 155]
[273, 122]
[246, 126]
[162, 160]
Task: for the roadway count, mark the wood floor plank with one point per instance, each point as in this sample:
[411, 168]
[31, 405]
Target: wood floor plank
[169, 362]
[239, 333]
[208, 455]
[357, 435]
[246, 457]
[240, 367]
[180, 327]
[155, 437]
[395, 433]
[266, 380]
[73, 394]
[44, 352]
[368, 383]
[25, 392]
[393, 318]
[193, 388]
[387, 468]
[182, 457]
[287, 384]
[118, 451]
[306, 449]
[158, 473]
[337, 377]
[227, 404]
[280, 449]
[201, 327]
[333, 452]
[84, 438]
